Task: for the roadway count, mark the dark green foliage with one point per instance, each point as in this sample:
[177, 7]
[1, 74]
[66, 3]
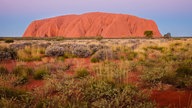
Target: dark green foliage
[3, 70]
[61, 58]
[94, 60]
[90, 92]
[40, 73]
[21, 81]
[99, 38]
[184, 71]
[167, 36]
[148, 34]
[9, 41]
[131, 55]
[161, 49]
[12, 93]
[22, 71]
[82, 72]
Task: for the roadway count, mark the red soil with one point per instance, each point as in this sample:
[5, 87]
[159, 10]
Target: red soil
[32, 84]
[173, 98]
[9, 64]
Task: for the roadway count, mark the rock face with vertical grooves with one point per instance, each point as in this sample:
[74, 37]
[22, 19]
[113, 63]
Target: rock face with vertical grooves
[107, 25]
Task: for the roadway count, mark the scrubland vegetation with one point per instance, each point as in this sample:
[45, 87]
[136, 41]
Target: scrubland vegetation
[107, 73]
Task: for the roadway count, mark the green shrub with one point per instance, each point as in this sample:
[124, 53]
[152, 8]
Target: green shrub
[12, 93]
[104, 54]
[161, 49]
[94, 60]
[82, 51]
[92, 92]
[99, 38]
[68, 55]
[81, 73]
[22, 71]
[167, 36]
[153, 75]
[29, 54]
[61, 58]
[3, 70]
[9, 41]
[40, 73]
[112, 72]
[21, 81]
[131, 55]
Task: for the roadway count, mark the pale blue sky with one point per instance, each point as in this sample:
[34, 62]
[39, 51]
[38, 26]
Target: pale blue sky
[172, 16]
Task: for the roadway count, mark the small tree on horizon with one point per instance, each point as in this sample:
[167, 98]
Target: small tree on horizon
[168, 35]
[148, 34]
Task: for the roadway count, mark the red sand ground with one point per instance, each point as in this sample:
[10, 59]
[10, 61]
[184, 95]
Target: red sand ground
[173, 98]
[9, 64]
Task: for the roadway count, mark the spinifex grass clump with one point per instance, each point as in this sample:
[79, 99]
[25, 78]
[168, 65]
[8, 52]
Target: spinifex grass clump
[93, 92]
[170, 67]
[112, 72]
[9, 40]
[23, 73]
[11, 93]
[40, 73]
[30, 53]
[81, 72]
[3, 70]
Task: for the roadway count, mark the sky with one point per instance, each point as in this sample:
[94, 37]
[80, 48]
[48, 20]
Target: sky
[173, 16]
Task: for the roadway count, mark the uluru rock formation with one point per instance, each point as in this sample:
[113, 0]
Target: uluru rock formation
[107, 25]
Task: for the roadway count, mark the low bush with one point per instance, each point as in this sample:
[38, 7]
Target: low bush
[94, 60]
[12, 93]
[112, 72]
[9, 41]
[99, 38]
[161, 49]
[82, 51]
[40, 73]
[61, 58]
[22, 71]
[153, 75]
[54, 51]
[81, 73]
[91, 92]
[3, 70]
[30, 54]
[20, 45]
[104, 54]
[21, 80]
[95, 47]
[7, 53]
[131, 55]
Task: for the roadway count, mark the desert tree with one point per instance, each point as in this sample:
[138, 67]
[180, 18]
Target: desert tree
[168, 35]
